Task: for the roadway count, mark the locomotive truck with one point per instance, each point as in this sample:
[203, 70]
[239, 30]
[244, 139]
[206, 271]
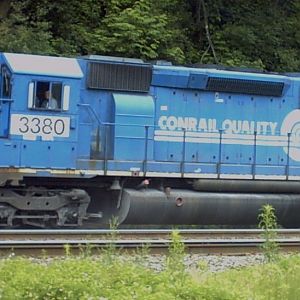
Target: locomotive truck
[147, 143]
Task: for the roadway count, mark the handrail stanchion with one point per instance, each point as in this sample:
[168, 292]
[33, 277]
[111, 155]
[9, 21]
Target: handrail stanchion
[287, 167]
[254, 155]
[220, 155]
[183, 154]
[146, 150]
[105, 149]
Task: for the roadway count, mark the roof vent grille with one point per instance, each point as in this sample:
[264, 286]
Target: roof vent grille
[244, 86]
[120, 77]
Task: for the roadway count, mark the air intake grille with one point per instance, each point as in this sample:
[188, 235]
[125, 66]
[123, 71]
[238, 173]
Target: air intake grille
[121, 77]
[242, 86]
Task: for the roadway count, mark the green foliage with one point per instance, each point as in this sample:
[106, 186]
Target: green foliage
[176, 254]
[99, 277]
[256, 34]
[269, 281]
[268, 222]
[259, 34]
[95, 278]
[20, 34]
[111, 252]
[136, 30]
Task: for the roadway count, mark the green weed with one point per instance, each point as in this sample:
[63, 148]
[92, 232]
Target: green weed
[268, 222]
[107, 277]
[93, 278]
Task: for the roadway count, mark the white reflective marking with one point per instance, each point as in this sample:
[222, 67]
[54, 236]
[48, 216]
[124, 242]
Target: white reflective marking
[30, 94]
[27, 170]
[236, 176]
[66, 97]
[92, 172]
[219, 100]
[294, 177]
[121, 173]
[133, 169]
[229, 139]
[274, 177]
[159, 174]
[164, 107]
[168, 138]
[154, 174]
[217, 135]
[198, 175]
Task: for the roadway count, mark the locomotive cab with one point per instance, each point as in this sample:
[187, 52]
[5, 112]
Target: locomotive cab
[39, 97]
[38, 138]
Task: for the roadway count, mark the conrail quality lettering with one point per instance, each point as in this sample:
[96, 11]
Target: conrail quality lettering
[229, 126]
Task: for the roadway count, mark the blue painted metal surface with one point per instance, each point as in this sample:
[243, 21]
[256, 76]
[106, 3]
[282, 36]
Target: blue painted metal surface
[184, 125]
[4, 116]
[133, 115]
[39, 138]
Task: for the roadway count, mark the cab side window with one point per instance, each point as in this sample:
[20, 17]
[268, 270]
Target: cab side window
[47, 95]
[6, 82]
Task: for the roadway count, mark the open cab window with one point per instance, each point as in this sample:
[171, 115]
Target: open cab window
[6, 83]
[47, 95]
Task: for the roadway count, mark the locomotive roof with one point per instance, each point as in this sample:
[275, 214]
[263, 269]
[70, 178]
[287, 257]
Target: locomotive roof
[43, 65]
[221, 72]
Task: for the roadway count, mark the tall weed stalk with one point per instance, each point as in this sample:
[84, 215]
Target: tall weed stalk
[268, 222]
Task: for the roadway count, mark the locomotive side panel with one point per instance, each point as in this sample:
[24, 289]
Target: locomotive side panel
[216, 130]
[117, 109]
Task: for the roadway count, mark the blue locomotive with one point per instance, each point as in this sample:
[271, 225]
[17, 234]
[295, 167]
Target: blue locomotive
[82, 140]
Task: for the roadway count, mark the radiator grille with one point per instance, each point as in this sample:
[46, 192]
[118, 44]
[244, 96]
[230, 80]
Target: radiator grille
[122, 77]
[242, 86]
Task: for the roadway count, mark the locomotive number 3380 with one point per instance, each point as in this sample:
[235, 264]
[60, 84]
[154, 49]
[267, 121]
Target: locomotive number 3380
[31, 126]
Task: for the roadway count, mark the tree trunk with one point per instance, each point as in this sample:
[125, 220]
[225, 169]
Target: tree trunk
[4, 8]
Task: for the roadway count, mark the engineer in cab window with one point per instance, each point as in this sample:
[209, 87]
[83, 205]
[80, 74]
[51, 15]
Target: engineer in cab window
[49, 101]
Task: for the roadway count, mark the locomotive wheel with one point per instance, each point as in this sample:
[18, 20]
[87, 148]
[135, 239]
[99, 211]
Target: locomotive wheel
[42, 207]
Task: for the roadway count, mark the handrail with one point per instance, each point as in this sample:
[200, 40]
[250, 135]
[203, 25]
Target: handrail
[90, 109]
[100, 122]
[6, 100]
[254, 155]
[287, 167]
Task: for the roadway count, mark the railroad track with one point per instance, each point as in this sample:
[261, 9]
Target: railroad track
[226, 242]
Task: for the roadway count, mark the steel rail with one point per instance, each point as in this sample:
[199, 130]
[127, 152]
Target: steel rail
[144, 233]
[229, 242]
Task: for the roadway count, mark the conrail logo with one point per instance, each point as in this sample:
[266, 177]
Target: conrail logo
[211, 125]
[234, 132]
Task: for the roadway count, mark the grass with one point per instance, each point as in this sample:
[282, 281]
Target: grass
[97, 278]
[108, 276]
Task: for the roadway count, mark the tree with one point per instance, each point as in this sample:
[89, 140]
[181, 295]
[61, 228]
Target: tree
[18, 34]
[260, 34]
[137, 29]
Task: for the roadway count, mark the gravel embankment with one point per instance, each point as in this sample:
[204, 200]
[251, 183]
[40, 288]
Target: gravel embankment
[212, 263]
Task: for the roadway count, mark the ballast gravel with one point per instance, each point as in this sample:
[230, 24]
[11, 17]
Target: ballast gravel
[157, 263]
[212, 263]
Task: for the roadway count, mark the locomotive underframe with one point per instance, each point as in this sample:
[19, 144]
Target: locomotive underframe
[55, 202]
[42, 207]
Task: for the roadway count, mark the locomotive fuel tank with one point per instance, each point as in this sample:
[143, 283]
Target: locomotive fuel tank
[238, 205]
[177, 206]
